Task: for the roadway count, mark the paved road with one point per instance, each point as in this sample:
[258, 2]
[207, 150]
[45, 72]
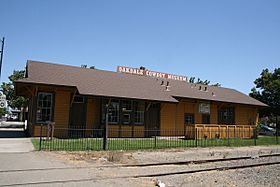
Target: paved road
[20, 165]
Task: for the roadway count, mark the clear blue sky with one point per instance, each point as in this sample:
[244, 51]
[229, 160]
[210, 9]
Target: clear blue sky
[225, 41]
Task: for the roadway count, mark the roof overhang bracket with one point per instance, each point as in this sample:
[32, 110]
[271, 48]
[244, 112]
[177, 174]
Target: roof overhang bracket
[72, 100]
[36, 91]
[148, 106]
[109, 102]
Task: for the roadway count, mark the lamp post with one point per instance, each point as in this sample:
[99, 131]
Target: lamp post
[1, 57]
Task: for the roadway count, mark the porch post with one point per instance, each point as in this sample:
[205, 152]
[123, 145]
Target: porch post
[105, 134]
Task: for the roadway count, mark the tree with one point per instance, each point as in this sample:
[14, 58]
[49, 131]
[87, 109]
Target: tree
[16, 102]
[267, 90]
[205, 82]
[3, 111]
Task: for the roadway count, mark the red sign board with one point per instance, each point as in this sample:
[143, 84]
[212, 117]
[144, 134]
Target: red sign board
[149, 73]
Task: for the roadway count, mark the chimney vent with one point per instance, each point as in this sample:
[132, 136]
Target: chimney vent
[205, 89]
[213, 94]
[162, 83]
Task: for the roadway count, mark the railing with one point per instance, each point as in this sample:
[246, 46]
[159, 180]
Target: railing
[67, 139]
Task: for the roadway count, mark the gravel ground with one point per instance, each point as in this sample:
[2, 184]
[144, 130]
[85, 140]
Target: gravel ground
[108, 168]
[258, 176]
[162, 155]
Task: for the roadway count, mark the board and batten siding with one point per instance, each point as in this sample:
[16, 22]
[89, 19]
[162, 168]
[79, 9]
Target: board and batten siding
[90, 114]
[172, 118]
[60, 114]
[93, 113]
[246, 115]
[61, 109]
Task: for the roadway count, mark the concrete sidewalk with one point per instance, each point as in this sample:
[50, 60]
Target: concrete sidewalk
[13, 140]
[16, 145]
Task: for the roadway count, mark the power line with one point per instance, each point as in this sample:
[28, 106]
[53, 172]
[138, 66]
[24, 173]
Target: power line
[2, 52]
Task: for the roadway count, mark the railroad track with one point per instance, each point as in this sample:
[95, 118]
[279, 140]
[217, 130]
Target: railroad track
[222, 168]
[149, 164]
[232, 166]
[202, 161]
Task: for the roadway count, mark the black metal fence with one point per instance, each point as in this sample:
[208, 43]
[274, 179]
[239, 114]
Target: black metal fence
[67, 139]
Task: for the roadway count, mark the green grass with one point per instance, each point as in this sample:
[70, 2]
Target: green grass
[87, 144]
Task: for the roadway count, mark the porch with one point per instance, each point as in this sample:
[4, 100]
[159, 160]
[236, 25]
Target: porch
[217, 131]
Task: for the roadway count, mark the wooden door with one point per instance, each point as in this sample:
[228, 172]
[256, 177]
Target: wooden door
[152, 119]
[78, 117]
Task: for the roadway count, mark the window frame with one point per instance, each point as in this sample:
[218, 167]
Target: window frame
[140, 112]
[79, 99]
[191, 115]
[203, 117]
[133, 112]
[51, 108]
[221, 115]
[103, 112]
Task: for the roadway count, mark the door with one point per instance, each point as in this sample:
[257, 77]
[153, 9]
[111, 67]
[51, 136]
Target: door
[78, 117]
[152, 119]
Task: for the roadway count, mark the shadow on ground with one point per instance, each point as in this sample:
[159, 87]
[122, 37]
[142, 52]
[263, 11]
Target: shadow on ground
[12, 133]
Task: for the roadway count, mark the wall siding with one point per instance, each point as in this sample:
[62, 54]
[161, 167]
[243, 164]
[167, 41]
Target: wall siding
[172, 118]
[245, 115]
[93, 113]
[168, 116]
[61, 109]
[90, 114]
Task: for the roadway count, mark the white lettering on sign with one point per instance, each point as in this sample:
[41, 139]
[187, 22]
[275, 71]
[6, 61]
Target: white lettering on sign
[148, 73]
[130, 70]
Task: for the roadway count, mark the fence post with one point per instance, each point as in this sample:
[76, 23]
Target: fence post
[228, 136]
[105, 133]
[195, 136]
[41, 132]
[155, 142]
[255, 136]
[277, 131]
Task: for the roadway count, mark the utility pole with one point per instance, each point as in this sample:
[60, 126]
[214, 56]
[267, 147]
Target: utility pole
[2, 52]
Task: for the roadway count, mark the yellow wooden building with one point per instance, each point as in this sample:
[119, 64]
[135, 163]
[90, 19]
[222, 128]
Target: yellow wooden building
[140, 100]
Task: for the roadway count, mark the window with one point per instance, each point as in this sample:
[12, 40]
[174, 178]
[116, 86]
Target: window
[124, 111]
[139, 113]
[126, 105]
[44, 107]
[113, 116]
[79, 99]
[113, 113]
[126, 118]
[226, 115]
[205, 119]
[189, 118]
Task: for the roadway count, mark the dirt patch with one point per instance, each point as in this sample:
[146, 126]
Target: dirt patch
[159, 156]
[98, 157]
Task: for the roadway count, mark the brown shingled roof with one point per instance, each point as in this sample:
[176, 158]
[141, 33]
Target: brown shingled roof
[113, 84]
